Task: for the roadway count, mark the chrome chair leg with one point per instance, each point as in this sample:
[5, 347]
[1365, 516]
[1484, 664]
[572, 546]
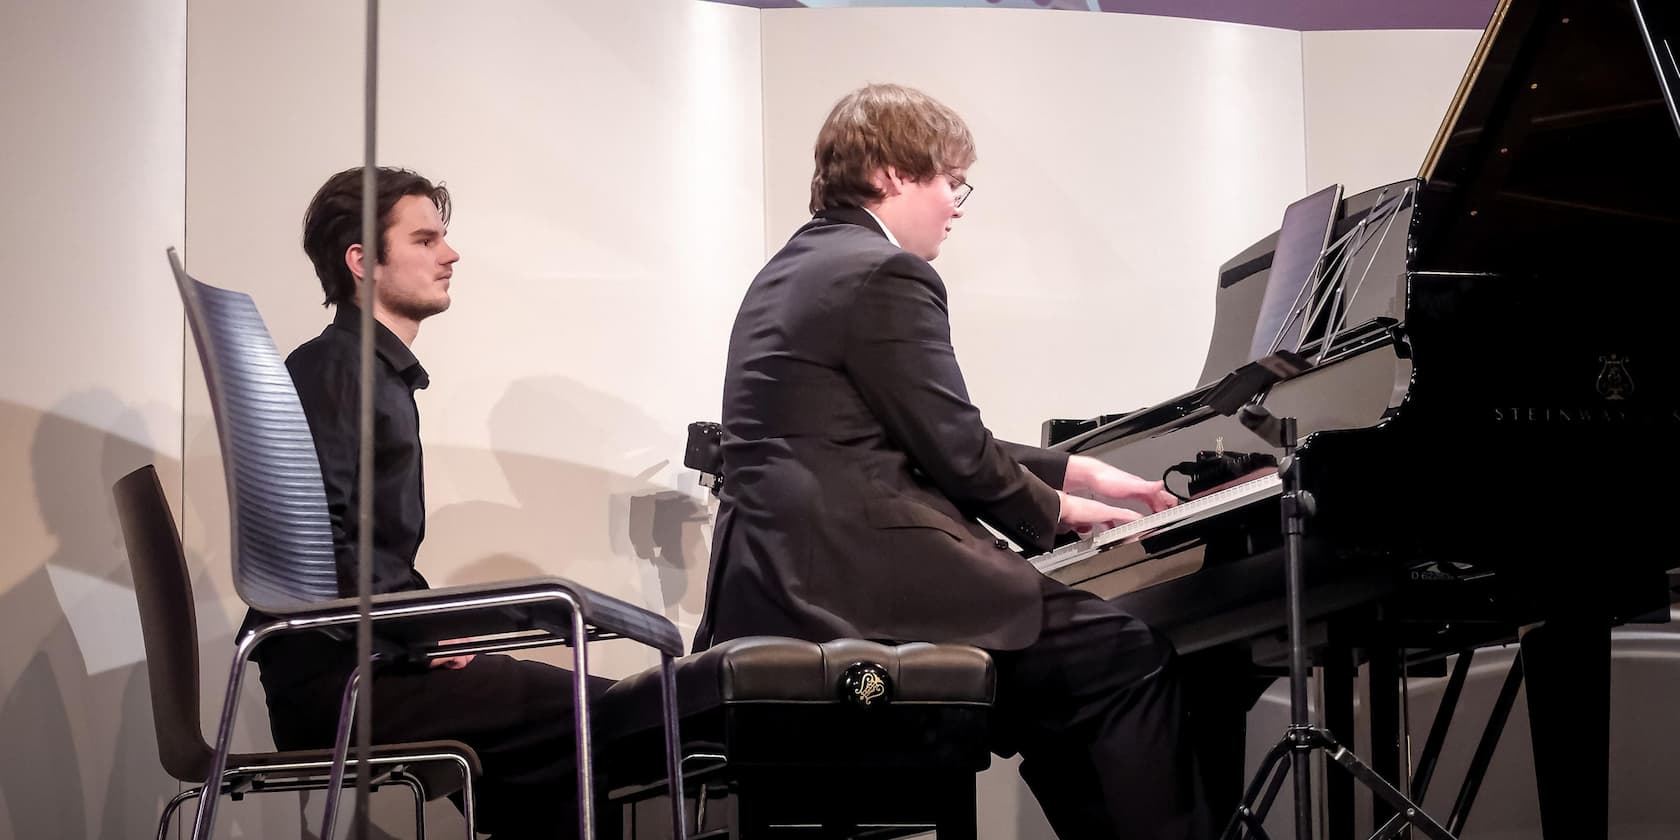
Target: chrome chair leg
[673, 746]
[169, 810]
[580, 722]
[204, 822]
[408, 780]
[341, 752]
[469, 807]
[700, 809]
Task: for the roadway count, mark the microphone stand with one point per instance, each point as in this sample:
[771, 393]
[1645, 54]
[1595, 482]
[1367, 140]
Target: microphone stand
[1242, 393]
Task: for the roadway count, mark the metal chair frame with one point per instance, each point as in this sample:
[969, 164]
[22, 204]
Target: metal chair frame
[239, 780]
[289, 573]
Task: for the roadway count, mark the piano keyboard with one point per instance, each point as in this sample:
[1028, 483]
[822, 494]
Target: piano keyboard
[1200, 507]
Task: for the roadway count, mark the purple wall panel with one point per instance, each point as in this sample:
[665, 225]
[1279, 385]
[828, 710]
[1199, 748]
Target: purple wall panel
[1284, 14]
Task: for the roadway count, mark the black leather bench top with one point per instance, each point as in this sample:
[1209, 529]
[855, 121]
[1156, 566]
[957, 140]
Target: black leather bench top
[771, 669]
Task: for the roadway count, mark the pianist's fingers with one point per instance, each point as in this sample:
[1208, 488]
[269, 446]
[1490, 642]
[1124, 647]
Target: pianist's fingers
[1106, 481]
[1082, 514]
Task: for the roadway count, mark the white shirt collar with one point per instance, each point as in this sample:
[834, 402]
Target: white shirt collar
[884, 229]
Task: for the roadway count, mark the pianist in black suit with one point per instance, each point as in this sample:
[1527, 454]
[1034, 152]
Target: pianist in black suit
[857, 475]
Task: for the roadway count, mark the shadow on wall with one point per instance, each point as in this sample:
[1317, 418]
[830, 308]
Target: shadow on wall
[75, 709]
[587, 508]
[664, 528]
[76, 734]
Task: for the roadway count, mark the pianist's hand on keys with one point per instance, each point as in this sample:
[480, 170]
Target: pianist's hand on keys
[1103, 483]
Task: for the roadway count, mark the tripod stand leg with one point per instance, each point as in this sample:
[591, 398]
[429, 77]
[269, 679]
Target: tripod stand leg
[1268, 779]
[1257, 826]
[1389, 794]
[1266, 801]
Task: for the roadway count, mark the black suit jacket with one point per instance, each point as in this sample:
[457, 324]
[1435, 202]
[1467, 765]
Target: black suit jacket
[856, 471]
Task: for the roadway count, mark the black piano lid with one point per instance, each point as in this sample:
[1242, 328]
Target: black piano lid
[1557, 167]
[1562, 146]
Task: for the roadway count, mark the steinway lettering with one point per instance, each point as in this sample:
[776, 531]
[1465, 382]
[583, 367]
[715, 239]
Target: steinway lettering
[1601, 415]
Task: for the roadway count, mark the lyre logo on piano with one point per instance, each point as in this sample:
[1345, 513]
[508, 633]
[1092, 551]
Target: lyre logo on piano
[1614, 382]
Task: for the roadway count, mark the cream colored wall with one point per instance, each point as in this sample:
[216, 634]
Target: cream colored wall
[1375, 99]
[90, 389]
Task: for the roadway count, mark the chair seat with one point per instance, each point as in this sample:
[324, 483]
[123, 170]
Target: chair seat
[439, 777]
[764, 701]
[512, 606]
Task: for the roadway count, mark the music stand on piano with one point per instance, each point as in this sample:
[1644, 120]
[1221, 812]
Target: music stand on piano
[1302, 243]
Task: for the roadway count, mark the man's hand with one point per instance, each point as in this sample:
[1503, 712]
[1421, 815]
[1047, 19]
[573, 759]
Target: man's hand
[453, 663]
[1082, 514]
[1090, 477]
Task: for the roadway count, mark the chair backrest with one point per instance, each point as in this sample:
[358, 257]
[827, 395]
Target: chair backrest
[277, 508]
[167, 621]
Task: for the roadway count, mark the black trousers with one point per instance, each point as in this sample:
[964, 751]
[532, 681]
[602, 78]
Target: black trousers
[1094, 707]
[516, 714]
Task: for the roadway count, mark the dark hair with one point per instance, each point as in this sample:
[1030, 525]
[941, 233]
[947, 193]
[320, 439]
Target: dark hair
[333, 222]
[878, 126]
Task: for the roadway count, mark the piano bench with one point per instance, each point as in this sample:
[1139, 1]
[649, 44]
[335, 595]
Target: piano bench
[840, 738]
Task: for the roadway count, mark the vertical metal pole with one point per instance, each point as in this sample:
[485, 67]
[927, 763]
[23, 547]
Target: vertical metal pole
[364, 490]
[673, 751]
[1293, 512]
[580, 720]
[341, 746]
[1316, 680]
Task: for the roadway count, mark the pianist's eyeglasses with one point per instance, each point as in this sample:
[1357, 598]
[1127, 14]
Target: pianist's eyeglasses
[960, 191]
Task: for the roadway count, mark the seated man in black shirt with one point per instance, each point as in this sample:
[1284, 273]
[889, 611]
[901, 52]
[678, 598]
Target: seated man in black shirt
[516, 714]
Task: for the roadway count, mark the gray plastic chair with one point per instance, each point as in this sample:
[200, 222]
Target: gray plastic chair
[169, 626]
[283, 563]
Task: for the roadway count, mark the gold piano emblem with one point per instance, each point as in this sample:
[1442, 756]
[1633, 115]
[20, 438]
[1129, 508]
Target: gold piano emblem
[1614, 382]
[871, 688]
[865, 684]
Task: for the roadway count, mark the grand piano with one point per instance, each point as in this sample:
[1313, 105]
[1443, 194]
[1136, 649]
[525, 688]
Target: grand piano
[1486, 409]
